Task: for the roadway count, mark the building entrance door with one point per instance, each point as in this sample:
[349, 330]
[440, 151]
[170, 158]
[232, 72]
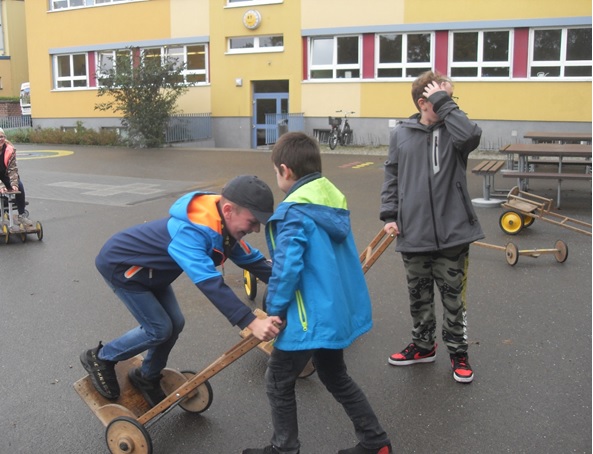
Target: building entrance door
[269, 97]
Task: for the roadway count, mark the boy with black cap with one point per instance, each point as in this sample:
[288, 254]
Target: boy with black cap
[140, 263]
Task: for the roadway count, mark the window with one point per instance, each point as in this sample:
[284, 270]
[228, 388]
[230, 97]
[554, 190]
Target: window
[194, 58]
[481, 54]
[71, 71]
[252, 44]
[63, 4]
[110, 60]
[562, 52]
[403, 55]
[335, 57]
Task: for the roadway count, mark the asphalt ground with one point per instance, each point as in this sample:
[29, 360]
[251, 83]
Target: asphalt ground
[529, 324]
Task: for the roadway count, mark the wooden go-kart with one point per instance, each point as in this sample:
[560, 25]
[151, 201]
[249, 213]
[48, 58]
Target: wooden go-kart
[512, 252]
[523, 208]
[127, 419]
[9, 227]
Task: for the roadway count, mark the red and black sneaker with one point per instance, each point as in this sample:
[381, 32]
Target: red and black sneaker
[413, 354]
[359, 449]
[462, 371]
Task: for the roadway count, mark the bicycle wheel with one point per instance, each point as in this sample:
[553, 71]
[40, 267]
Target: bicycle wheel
[333, 140]
[346, 135]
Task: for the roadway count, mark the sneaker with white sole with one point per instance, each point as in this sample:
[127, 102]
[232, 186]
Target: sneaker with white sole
[413, 354]
[462, 371]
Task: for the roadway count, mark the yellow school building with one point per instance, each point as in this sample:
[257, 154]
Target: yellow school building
[517, 65]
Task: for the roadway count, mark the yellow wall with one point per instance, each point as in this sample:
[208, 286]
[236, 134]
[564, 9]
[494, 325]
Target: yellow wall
[100, 25]
[347, 13]
[15, 70]
[190, 18]
[229, 100]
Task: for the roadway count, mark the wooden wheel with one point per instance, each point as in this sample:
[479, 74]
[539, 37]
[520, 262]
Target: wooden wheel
[199, 400]
[125, 435]
[23, 232]
[511, 222]
[308, 370]
[561, 253]
[512, 254]
[250, 282]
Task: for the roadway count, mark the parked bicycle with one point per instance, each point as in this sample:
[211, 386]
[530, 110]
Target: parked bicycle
[337, 134]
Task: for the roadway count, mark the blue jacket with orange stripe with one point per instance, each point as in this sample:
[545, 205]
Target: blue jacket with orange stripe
[192, 240]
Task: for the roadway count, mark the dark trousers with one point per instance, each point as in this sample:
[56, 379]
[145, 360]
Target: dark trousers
[19, 198]
[283, 370]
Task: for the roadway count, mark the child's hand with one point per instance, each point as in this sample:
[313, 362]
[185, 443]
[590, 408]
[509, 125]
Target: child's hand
[391, 229]
[434, 86]
[266, 329]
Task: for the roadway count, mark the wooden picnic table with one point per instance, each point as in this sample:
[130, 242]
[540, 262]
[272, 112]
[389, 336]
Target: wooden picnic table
[558, 137]
[555, 151]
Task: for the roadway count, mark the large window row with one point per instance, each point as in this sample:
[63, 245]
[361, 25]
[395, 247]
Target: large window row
[553, 52]
[84, 70]
[63, 4]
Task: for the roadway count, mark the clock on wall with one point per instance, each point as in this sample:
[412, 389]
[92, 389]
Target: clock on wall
[252, 19]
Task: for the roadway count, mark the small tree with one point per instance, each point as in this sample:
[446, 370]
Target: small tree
[144, 90]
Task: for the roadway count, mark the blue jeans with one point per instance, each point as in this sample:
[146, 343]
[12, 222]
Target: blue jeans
[161, 321]
[283, 370]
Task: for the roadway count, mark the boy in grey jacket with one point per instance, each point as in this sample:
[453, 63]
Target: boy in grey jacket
[425, 200]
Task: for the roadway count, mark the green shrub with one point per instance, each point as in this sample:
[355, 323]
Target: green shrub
[77, 136]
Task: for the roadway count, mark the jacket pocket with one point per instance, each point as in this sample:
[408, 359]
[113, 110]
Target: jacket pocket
[468, 211]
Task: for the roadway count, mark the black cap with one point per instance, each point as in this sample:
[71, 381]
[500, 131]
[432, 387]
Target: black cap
[250, 192]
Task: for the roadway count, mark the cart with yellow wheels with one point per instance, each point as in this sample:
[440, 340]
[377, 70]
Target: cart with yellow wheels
[523, 208]
[8, 225]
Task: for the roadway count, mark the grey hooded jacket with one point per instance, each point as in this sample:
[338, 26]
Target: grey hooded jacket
[425, 186]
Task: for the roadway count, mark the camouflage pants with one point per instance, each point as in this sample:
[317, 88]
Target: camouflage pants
[448, 270]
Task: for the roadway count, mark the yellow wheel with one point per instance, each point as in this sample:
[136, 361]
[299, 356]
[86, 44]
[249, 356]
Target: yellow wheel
[5, 233]
[528, 220]
[125, 435]
[512, 253]
[39, 229]
[561, 253]
[250, 282]
[511, 222]
[23, 232]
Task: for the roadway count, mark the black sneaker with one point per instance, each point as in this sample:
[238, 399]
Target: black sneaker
[102, 373]
[413, 354]
[267, 450]
[359, 449]
[150, 389]
[462, 371]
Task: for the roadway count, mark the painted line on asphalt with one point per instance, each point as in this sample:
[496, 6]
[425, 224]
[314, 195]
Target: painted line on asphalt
[42, 154]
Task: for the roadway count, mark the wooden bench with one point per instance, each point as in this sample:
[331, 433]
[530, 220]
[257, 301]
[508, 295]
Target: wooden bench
[487, 169]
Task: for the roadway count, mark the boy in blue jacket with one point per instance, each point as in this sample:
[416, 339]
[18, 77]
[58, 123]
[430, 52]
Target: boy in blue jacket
[141, 262]
[318, 288]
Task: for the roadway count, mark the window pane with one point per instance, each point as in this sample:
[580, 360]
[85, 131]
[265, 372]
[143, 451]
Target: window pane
[348, 50]
[241, 43]
[546, 45]
[578, 44]
[465, 47]
[195, 78]
[577, 71]
[415, 72]
[464, 72]
[271, 41]
[545, 71]
[496, 46]
[64, 66]
[419, 48]
[322, 74]
[76, 3]
[64, 84]
[389, 72]
[495, 72]
[175, 55]
[196, 57]
[106, 61]
[79, 64]
[322, 51]
[348, 73]
[390, 49]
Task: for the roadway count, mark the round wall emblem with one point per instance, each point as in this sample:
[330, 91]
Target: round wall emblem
[252, 19]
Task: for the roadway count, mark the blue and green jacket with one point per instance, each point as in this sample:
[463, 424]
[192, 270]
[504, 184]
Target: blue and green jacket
[317, 284]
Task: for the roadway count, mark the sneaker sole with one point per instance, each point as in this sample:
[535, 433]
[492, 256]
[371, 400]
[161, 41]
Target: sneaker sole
[409, 362]
[460, 379]
[94, 381]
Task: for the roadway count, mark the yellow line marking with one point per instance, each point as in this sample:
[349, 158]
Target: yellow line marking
[364, 164]
[42, 154]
